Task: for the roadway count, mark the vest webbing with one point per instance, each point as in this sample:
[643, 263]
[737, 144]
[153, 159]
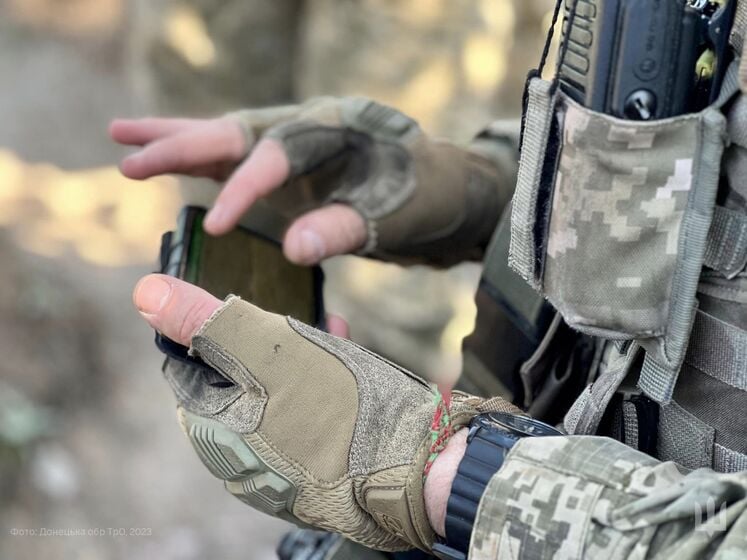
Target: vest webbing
[719, 350]
[726, 246]
[739, 27]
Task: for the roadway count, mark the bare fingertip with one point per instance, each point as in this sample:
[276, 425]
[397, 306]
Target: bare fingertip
[151, 293]
[304, 247]
[215, 221]
[129, 167]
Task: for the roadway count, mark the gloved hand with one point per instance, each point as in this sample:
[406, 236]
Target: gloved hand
[362, 176]
[301, 424]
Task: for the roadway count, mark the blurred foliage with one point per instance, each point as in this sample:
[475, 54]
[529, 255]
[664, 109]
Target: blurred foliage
[95, 214]
[73, 18]
[452, 64]
[73, 403]
[22, 422]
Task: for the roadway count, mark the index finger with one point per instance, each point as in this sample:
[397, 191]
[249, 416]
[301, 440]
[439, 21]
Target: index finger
[266, 168]
[137, 132]
[211, 142]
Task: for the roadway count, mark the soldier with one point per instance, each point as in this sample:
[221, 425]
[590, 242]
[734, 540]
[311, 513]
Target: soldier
[317, 430]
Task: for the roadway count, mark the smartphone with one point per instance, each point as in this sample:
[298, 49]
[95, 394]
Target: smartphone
[242, 262]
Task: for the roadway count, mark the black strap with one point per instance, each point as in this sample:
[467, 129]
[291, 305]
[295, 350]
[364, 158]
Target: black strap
[549, 36]
[484, 456]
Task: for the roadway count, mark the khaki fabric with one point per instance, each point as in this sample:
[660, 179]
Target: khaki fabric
[593, 497]
[585, 496]
[422, 199]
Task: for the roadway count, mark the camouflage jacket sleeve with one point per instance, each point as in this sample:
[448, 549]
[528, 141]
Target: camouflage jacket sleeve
[593, 497]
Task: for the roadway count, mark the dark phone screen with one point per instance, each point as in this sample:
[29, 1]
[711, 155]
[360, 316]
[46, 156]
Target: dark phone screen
[254, 268]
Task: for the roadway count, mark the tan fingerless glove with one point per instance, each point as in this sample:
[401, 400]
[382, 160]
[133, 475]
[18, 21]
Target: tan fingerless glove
[422, 199]
[313, 428]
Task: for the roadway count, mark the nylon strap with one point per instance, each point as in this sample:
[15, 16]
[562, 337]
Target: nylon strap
[537, 121]
[586, 413]
[739, 27]
[630, 425]
[726, 247]
[727, 460]
[684, 438]
[719, 350]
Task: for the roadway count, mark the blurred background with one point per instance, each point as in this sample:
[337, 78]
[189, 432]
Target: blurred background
[88, 438]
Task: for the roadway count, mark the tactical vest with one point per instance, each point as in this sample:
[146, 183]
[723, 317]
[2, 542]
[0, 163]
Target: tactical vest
[624, 310]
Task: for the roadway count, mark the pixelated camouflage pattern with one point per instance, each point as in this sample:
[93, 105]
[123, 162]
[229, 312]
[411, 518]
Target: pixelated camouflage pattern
[594, 497]
[620, 194]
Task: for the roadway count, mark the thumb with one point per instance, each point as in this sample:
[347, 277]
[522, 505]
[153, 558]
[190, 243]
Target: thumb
[337, 326]
[332, 230]
[173, 307]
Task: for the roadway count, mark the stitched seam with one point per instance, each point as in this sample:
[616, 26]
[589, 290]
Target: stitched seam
[300, 468]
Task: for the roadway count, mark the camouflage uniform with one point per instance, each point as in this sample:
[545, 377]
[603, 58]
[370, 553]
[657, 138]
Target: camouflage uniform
[642, 248]
[589, 496]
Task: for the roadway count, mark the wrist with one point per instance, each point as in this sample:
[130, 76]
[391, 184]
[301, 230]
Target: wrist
[440, 478]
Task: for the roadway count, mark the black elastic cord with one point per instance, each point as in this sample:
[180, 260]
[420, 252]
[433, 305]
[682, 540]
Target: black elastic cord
[537, 72]
[549, 36]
